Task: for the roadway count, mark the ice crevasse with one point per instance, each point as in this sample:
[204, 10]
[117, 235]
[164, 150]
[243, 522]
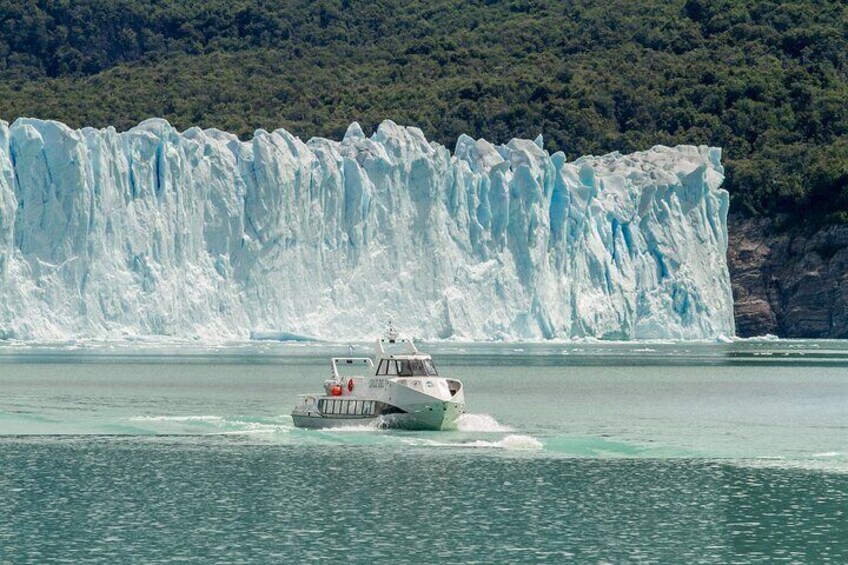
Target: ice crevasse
[200, 235]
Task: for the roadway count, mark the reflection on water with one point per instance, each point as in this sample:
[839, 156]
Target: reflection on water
[162, 500]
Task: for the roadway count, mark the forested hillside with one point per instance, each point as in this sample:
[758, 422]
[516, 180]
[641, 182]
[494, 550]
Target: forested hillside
[765, 80]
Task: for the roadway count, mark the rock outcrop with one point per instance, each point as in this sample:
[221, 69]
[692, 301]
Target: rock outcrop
[789, 283]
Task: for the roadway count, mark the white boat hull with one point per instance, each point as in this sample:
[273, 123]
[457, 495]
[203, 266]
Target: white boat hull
[436, 416]
[317, 421]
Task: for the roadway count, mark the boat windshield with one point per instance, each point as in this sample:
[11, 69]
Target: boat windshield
[416, 368]
[407, 368]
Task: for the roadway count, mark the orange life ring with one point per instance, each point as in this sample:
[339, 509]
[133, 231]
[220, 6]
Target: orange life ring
[336, 390]
[350, 385]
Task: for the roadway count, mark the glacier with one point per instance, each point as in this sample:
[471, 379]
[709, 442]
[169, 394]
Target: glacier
[198, 235]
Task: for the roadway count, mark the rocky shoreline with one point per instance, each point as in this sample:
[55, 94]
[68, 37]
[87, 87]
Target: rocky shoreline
[789, 283]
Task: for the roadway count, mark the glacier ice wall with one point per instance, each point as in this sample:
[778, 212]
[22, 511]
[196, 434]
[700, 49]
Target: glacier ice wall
[197, 234]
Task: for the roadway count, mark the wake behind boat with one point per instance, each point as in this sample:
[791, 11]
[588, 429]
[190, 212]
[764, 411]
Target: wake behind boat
[404, 391]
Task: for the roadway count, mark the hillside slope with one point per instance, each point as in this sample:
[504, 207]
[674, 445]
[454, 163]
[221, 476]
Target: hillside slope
[765, 80]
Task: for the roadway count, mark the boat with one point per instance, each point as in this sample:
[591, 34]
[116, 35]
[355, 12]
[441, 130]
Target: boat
[400, 388]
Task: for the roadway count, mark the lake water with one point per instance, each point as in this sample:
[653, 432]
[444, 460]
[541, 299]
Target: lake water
[591, 452]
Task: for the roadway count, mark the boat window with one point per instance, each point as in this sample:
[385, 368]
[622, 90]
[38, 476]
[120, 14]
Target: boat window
[386, 367]
[321, 404]
[416, 368]
[351, 407]
[430, 368]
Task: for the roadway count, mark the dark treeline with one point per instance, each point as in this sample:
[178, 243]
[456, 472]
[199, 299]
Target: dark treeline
[765, 80]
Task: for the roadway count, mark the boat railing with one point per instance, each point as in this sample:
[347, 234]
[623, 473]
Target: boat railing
[391, 342]
[306, 400]
[355, 362]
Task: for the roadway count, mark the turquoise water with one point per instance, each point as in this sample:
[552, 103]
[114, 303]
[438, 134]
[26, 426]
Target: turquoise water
[591, 452]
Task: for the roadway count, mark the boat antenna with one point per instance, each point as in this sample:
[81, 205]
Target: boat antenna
[392, 334]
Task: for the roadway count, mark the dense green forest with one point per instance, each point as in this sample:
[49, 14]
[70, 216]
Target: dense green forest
[765, 80]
